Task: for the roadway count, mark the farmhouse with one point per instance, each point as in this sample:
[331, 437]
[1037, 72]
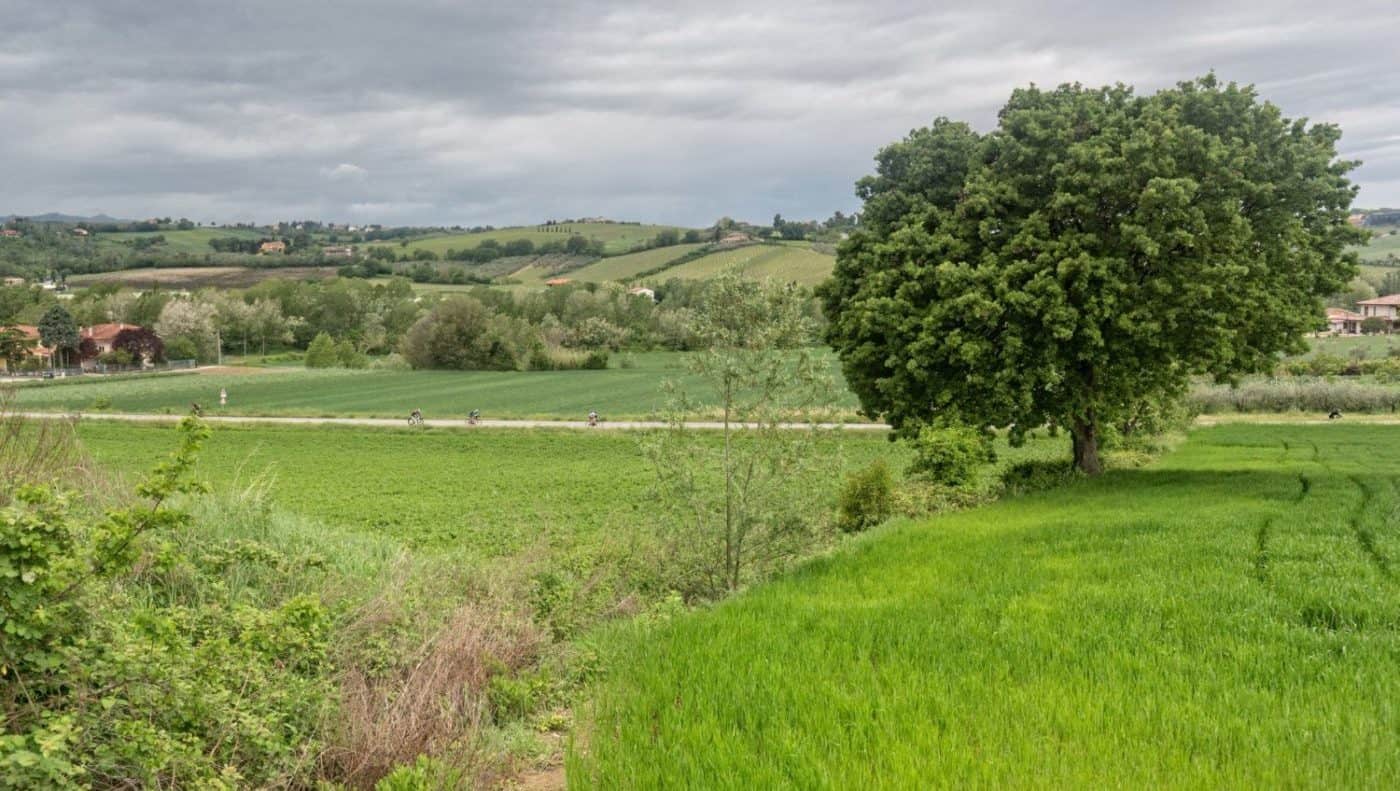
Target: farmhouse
[557, 281]
[10, 233]
[267, 248]
[30, 332]
[14, 281]
[1387, 307]
[1343, 322]
[338, 251]
[104, 336]
[735, 237]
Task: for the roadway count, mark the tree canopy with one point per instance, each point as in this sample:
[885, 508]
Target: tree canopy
[58, 331]
[1081, 261]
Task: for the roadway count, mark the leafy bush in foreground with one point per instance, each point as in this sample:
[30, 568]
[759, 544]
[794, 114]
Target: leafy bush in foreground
[867, 498]
[118, 669]
[950, 455]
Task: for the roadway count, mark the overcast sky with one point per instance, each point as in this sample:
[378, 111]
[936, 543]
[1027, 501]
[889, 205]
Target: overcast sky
[431, 111]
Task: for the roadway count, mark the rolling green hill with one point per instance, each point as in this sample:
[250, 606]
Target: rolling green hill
[624, 266]
[193, 242]
[780, 262]
[1386, 242]
[616, 237]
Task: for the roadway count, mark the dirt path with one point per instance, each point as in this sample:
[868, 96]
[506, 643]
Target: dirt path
[376, 422]
[634, 425]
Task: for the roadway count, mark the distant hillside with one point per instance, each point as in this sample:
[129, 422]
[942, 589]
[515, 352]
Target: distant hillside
[615, 237]
[63, 218]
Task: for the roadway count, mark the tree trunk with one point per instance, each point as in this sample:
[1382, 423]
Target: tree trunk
[1086, 447]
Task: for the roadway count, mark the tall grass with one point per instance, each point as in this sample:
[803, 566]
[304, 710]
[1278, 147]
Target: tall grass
[1225, 618]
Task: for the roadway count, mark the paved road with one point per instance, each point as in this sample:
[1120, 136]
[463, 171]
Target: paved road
[606, 425]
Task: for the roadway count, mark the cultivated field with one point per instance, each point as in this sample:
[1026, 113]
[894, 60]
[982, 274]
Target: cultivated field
[194, 277]
[779, 262]
[615, 393]
[625, 266]
[1226, 618]
[616, 237]
[192, 242]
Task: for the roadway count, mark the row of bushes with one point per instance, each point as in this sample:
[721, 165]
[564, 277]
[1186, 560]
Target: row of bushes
[1295, 395]
[1386, 368]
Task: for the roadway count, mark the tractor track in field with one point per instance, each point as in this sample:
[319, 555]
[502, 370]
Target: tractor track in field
[1264, 534]
[1365, 538]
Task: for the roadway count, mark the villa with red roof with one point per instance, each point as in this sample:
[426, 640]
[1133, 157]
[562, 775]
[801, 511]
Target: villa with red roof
[1387, 307]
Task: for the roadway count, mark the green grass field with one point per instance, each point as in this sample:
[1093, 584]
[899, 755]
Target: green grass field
[625, 266]
[1345, 345]
[1382, 245]
[616, 237]
[780, 262]
[192, 242]
[1227, 618]
[196, 277]
[615, 393]
[487, 491]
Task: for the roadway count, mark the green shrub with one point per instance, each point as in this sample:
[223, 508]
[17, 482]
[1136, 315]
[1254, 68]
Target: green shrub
[1033, 476]
[950, 455]
[544, 358]
[391, 362]
[153, 675]
[181, 348]
[322, 352]
[866, 499]
[1297, 394]
[347, 356]
[425, 774]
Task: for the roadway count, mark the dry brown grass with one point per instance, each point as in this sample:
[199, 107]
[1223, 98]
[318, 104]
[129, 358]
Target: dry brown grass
[42, 452]
[435, 701]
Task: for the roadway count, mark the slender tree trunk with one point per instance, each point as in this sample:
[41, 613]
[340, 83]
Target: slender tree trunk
[731, 554]
[1085, 434]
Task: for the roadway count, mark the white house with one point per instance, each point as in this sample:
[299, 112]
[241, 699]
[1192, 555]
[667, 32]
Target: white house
[1387, 307]
[1343, 322]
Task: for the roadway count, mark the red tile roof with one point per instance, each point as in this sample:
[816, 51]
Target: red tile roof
[106, 332]
[1338, 314]
[1391, 299]
[31, 332]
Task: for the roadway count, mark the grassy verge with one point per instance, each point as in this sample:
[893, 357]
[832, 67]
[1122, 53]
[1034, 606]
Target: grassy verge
[1224, 618]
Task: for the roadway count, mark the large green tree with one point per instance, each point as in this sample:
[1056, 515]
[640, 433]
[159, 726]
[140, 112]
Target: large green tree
[1086, 257]
[59, 332]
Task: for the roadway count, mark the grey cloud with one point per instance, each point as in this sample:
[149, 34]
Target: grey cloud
[488, 112]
